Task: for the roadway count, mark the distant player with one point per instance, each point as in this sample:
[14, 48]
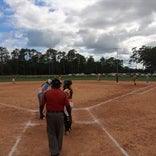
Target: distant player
[98, 76]
[13, 80]
[117, 77]
[134, 78]
[147, 78]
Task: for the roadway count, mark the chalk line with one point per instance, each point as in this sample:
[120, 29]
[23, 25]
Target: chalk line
[146, 91]
[109, 135]
[79, 122]
[95, 120]
[110, 100]
[85, 122]
[20, 108]
[19, 138]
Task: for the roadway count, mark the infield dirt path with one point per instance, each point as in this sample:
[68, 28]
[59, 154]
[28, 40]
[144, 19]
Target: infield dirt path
[109, 119]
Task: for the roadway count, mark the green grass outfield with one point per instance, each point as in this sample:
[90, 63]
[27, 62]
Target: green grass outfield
[6, 78]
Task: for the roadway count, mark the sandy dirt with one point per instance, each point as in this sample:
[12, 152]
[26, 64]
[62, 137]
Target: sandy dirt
[109, 119]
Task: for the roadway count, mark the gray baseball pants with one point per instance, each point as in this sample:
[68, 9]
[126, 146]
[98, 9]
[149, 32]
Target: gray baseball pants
[55, 129]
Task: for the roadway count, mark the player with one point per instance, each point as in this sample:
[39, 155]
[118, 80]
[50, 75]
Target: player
[13, 80]
[44, 87]
[98, 76]
[117, 77]
[69, 93]
[147, 78]
[55, 100]
[134, 78]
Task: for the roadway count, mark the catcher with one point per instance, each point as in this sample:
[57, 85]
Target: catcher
[69, 93]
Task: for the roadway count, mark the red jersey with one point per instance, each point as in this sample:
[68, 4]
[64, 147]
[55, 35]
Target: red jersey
[55, 100]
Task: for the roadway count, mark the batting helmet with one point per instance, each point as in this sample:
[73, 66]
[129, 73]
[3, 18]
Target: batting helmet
[67, 82]
[49, 81]
[56, 83]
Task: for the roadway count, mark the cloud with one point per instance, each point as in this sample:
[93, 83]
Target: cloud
[99, 42]
[43, 38]
[94, 27]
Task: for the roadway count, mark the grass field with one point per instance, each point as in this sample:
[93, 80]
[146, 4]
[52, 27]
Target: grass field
[72, 77]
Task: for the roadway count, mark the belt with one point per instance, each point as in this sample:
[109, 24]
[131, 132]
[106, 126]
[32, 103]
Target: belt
[55, 111]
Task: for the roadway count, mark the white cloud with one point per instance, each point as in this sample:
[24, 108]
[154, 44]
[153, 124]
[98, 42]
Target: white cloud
[93, 27]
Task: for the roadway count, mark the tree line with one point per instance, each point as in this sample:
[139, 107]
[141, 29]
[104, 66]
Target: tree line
[32, 62]
[146, 55]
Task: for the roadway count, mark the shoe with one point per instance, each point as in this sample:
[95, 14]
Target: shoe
[67, 133]
[42, 117]
[55, 154]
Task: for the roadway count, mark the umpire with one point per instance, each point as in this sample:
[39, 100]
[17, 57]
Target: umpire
[55, 100]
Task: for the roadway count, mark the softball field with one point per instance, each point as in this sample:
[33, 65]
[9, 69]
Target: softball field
[109, 119]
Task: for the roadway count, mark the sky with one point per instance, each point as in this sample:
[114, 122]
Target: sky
[98, 28]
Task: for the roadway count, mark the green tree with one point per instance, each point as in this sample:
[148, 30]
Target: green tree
[32, 59]
[23, 64]
[4, 58]
[103, 64]
[71, 56]
[80, 63]
[51, 58]
[15, 61]
[146, 56]
[4, 55]
[62, 58]
[90, 65]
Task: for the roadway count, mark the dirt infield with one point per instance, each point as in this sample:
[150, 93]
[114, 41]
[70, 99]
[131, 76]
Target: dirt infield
[109, 119]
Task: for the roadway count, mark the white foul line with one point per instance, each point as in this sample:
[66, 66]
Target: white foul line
[146, 91]
[85, 122]
[19, 138]
[95, 120]
[116, 98]
[20, 108]
[109, 135]
[80, 122]
[110, 100]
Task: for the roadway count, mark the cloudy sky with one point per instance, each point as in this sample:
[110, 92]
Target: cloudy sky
[92, 27]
